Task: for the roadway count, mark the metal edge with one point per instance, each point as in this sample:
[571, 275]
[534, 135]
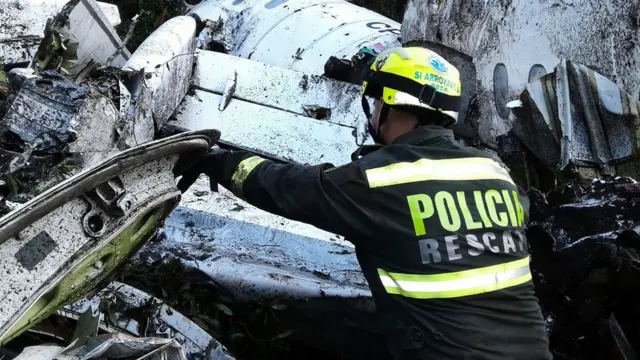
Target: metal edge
[46, 202]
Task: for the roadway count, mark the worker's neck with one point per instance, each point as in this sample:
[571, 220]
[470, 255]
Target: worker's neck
[397, 125]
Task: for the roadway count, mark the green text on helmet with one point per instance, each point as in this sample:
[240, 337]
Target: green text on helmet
[415, 76]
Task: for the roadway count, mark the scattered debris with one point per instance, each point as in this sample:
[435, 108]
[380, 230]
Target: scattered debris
[585, 250]
[109, 346]
[130, 310]
[55, 128]
[283, 289]
[581, 119]
[22, 24]
[68, 240]
[121, 321]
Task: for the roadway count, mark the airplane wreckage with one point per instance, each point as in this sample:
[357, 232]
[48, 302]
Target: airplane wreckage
[93, 136]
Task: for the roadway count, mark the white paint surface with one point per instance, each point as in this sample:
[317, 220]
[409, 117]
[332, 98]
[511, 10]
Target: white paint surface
[300, 34]
[167, 55]
[98, 40]
[522, 33]
[257, 255]
[270, 131]
[281, 88]
[22, 25]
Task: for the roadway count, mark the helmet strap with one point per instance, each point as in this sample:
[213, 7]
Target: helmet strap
[384, 114]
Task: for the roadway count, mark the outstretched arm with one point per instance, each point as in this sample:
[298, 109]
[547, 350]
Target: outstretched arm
[332, 199]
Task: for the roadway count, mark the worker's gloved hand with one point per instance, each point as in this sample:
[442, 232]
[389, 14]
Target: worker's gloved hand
[211, 165]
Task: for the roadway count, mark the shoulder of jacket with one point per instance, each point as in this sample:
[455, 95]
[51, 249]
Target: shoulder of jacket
[351, 172]
[385, 156]
[488, 153]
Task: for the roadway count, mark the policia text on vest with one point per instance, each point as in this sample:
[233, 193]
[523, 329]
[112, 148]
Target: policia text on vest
[468, 223]
[454, 213]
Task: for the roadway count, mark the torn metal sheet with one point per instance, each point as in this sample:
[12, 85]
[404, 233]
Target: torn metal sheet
[168, 65]
[254, 254]
[267, 130]
[22, 24]
[214, 36]
[154, 319]
[512, 43]
[82, 24]
[137, 125]
[299, 35]
[281, 88]
[580, 118]
[110, 346]
[67, 240]
[54, 128]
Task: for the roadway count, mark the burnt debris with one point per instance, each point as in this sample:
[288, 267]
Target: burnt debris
[585, 250]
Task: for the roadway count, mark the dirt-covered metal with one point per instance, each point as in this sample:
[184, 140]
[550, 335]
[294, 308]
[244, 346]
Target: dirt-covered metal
[62, 244]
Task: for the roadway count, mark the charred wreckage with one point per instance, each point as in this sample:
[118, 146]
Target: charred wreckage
[92, 137]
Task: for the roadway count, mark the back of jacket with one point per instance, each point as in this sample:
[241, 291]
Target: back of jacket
[439, 234]
[451, 270]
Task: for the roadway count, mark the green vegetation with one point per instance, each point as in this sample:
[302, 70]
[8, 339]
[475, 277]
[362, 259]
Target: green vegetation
[393, 9]
[152, 13]
[256, 330]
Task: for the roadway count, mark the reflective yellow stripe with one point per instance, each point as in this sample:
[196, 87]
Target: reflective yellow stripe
[244, 169]
[475, 168]
[457, 284]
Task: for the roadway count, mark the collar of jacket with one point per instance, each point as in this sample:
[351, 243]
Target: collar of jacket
[426, 135]
[423, 135]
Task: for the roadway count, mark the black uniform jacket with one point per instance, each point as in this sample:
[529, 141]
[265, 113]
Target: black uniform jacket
[439, 233]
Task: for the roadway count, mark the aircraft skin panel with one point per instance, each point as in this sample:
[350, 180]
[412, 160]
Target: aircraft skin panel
[522, 35]
[270, 131]
[281, 32]
[168, 65]
[255, 254]
[35, 266]
[330, 23]
[23, 24]
[280, 88]
[344, 46]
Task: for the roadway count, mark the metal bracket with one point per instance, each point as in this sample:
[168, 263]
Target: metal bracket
[94, 222]
[113, 197]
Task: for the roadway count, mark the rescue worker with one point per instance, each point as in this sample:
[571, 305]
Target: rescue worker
[438, 228]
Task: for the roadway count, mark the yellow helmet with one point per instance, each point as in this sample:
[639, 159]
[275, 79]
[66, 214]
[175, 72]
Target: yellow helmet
[414, 76]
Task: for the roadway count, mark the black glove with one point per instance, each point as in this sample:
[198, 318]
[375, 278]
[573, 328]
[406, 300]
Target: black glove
[211, 165]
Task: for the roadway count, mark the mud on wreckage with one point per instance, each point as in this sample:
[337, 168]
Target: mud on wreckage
[264, 286]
